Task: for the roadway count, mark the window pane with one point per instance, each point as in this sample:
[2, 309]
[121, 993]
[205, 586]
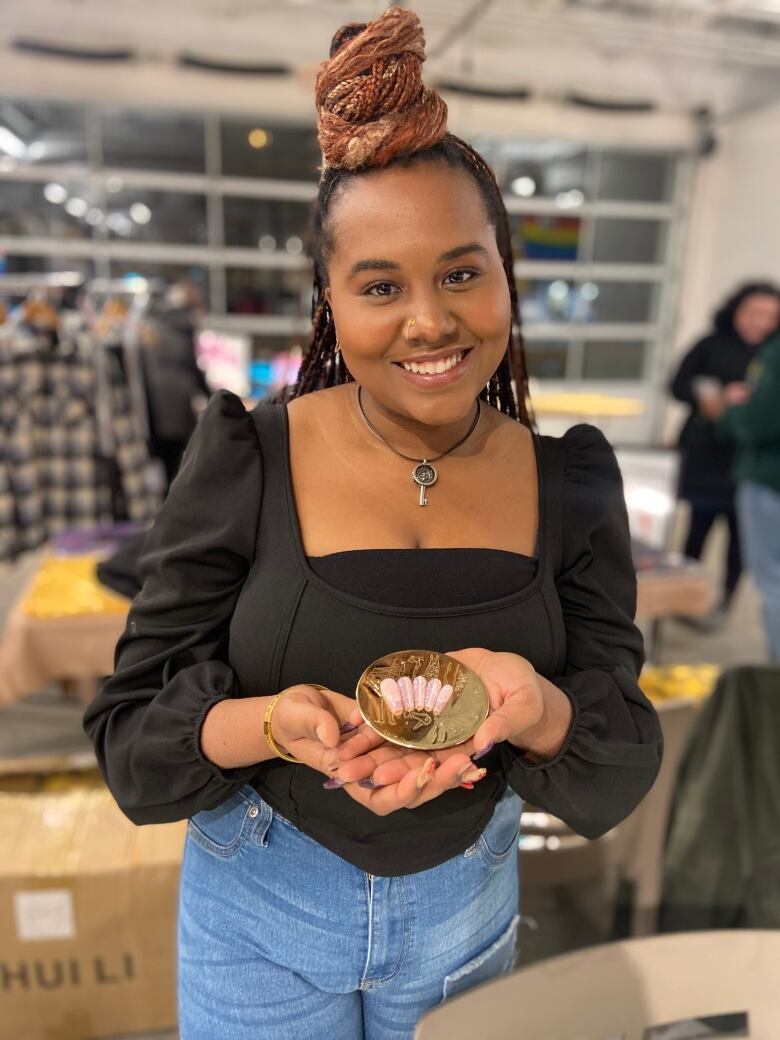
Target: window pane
[42, 133]
[254, 148]
[632, 241]
[614, 359]
[195, 275]
[536, 169]
[135, 214]
[153, 140]
[268, 224]
[636, 177]
[566, 300]
[268, 292]
[57, 210]
[545, 237]
[13, 264]
[547, 359]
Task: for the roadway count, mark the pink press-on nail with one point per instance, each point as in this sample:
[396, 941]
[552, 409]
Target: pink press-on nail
[432, 692]
[443, 699]
[407, 692]
[392, 696]
[420, 686]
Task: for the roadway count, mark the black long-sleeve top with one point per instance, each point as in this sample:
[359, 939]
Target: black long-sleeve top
[707, 460]
[232, 607]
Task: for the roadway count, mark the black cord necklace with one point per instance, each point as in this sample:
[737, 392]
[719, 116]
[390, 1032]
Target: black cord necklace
[424, 473]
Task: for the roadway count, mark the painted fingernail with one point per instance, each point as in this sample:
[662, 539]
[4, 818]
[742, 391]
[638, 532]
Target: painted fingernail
[468, 786]
[333, 783]
[369, 784]
[471, 776]
[348, 727]
[426, 773]
[483, 751]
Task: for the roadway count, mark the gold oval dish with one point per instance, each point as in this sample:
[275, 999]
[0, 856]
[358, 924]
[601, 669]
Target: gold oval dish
[416, 727]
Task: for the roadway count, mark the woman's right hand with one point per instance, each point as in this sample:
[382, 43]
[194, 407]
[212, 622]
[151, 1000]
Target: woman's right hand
[306, 723]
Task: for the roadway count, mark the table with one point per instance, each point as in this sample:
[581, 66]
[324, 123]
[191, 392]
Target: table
[63, 628]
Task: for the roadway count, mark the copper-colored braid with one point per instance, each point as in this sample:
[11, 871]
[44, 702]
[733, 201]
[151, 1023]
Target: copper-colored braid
[372, 104]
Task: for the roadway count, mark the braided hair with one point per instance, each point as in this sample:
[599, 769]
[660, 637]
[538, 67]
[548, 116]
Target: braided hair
[374, 112]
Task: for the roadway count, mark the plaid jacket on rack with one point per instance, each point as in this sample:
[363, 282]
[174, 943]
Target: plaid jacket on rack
[52, 473]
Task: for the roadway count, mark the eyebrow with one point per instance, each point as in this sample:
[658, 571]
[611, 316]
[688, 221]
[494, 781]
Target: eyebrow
[390, 265]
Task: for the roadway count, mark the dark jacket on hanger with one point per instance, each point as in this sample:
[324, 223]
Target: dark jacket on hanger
[722, 860]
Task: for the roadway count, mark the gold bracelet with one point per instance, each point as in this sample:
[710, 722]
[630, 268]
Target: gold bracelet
[269, 736]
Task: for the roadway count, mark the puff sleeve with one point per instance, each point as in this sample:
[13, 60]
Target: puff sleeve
[613, 750]
[171, 662]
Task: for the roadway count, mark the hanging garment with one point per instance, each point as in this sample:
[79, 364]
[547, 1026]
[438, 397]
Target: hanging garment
[53, 474]
[722, 859]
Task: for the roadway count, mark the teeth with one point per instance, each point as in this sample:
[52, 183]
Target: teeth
[433, 368]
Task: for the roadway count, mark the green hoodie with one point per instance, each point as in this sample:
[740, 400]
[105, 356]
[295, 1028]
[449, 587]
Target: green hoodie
[755, 426]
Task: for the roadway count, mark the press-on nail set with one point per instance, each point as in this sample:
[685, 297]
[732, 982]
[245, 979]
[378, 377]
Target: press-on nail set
[422, 699]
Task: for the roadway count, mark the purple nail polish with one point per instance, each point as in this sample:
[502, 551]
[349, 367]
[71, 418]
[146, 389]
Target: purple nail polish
[483, 751]
[348, 727]
[369, 784]
[333, 783]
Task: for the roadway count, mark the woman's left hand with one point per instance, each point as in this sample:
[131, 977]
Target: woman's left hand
[516, 705]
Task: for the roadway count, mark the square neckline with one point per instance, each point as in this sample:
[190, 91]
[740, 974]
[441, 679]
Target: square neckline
[312, 577]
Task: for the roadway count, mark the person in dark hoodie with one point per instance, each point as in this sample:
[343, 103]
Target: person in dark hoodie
[741, 326]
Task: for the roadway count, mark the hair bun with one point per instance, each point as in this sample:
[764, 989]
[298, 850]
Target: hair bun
[372, 104]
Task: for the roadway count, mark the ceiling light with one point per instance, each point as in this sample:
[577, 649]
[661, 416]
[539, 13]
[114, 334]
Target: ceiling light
[114, 184]
[589, 291]
[558, 291]
[76, 207]
[294, 244]
[525, 187]
[36, 151]
[94, 216]
[55, 193]
[118, 223]
[11, 144]
[259, 138]
[140, 213]
[266, 244]
[569, 199]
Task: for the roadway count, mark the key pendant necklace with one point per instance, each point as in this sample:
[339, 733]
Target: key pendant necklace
[424, 474]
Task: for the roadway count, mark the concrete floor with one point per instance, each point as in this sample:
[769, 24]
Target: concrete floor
[559, 920]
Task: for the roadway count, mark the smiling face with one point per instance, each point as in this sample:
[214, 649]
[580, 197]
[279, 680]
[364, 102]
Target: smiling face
[416, 282]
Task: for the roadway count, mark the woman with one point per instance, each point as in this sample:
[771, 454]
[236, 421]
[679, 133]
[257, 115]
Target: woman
[753, 422]
[710, 376]
[343, 893]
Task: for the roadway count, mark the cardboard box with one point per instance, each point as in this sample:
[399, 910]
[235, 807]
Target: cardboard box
[87, 915]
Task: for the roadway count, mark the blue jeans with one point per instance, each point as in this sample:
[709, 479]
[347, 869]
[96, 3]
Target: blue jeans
[759, 519]
[280, 939]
